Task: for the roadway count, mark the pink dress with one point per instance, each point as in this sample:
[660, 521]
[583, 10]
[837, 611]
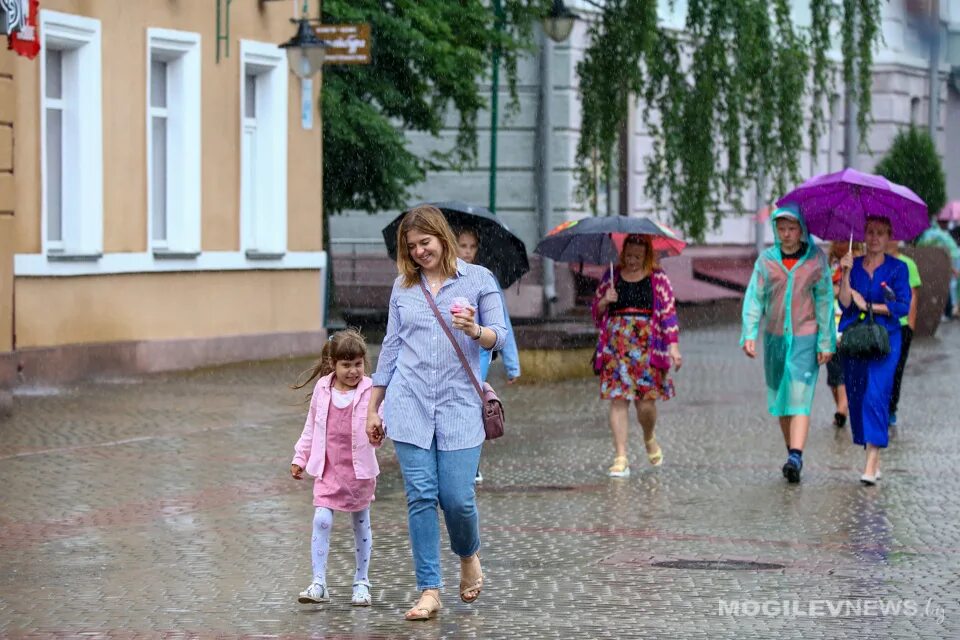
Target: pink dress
[338, 488]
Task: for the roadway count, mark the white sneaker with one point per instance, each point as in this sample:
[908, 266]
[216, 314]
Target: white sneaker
[479, 477]
[314, 594]
[361, 594]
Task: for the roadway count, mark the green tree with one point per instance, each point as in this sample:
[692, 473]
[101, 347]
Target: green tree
[427, 58]
[723, 101]
[913, 162]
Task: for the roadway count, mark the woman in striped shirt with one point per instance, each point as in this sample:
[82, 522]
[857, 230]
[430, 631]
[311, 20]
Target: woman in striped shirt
[432, 409]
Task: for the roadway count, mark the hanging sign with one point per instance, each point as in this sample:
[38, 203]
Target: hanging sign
[346, 43]
[24, 38]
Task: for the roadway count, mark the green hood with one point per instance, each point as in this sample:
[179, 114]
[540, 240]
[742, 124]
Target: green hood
[795, 210]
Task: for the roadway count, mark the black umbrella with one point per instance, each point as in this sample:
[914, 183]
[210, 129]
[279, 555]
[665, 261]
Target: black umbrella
[500, 251]
[594, 240]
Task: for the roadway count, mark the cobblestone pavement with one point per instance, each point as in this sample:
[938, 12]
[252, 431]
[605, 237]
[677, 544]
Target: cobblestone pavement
[162, 506]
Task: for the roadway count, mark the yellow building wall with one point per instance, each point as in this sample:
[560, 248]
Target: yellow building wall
[124, 25]
[8, 196]
[62, 311]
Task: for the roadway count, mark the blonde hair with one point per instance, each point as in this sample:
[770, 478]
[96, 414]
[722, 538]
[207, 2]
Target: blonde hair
[429, 220]
[347, 344]
[638, 240]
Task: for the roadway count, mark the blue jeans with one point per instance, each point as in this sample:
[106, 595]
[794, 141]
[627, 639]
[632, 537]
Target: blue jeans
[432, 477]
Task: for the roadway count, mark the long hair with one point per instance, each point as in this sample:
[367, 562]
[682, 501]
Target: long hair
[429, 220]
[649, 257]
[347, 344]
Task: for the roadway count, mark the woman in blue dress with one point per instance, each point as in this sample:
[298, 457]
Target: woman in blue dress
[879, 282]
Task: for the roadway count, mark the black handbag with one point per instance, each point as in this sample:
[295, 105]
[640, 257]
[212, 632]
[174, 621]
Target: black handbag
[866, 340]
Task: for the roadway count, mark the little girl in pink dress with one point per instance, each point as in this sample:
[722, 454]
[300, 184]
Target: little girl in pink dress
[335, 450]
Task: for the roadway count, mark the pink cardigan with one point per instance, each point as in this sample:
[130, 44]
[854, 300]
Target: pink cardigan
[310, 450]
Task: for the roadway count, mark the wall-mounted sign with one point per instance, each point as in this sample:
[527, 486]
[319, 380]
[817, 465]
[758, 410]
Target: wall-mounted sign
[346, 43]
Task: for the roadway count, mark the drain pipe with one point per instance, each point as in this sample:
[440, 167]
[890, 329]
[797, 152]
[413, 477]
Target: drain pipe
[543, 168]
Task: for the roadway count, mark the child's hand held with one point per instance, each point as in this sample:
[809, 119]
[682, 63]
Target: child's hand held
[296, 471]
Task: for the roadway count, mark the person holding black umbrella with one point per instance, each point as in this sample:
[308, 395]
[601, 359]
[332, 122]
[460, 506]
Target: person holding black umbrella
[468, 247]
[635, 310]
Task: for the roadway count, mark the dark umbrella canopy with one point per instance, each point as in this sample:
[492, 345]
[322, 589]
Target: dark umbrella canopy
[591, 240]
[500, 251]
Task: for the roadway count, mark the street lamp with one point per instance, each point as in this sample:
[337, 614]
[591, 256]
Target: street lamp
[559, 22]
[557, 26]
[305, 51]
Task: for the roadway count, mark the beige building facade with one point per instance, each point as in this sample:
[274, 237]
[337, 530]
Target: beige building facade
[160, 191]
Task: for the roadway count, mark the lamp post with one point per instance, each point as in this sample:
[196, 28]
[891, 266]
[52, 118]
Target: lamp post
[305, 51]
[305, 55]
[559, 22]
[557, 26]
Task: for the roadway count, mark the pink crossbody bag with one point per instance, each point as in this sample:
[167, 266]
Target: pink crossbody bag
[493, 418]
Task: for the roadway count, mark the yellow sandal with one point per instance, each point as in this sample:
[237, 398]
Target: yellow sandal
[655, 458]
[620, 468]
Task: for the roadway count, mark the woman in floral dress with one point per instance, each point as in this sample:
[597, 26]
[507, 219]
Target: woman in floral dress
[635, 311]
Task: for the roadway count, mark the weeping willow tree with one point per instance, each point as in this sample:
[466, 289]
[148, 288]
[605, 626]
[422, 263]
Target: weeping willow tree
[723, 100]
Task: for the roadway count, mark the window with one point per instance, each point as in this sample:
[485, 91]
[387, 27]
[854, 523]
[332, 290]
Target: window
[914, 111]
[173, 142]
[71, 152]
[263, 153]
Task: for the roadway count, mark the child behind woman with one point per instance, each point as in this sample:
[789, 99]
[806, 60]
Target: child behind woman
[334, 449]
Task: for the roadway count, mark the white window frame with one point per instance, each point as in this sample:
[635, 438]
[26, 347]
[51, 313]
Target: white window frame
[180, 50]
[78, 37]
[263, 222]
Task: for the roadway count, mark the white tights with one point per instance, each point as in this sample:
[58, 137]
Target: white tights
[320, 543]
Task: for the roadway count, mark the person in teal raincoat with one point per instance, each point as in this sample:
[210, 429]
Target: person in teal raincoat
[791, 295]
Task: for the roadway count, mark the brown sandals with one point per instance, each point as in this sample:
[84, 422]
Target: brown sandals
[424, 609]
[471, 586]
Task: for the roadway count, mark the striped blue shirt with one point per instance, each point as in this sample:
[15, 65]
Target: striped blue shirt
[429, 394]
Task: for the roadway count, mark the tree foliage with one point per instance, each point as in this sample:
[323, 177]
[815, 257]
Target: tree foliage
[913, 162]
[723, 101]
[427, 56]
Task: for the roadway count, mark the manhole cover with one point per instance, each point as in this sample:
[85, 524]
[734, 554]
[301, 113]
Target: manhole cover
[717, 565]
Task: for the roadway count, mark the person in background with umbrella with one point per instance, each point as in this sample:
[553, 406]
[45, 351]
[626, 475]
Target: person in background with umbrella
[907, 325]
[635, 310]
[792, 290]
[468, 246]
[879, 283]
[433, 412]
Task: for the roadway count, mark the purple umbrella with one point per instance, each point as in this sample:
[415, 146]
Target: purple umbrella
[836, 206]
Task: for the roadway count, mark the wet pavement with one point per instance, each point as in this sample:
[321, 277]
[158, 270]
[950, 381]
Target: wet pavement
[162, 507]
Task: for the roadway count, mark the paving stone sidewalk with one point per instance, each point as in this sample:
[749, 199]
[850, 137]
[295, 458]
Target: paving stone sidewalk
[162, 507]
